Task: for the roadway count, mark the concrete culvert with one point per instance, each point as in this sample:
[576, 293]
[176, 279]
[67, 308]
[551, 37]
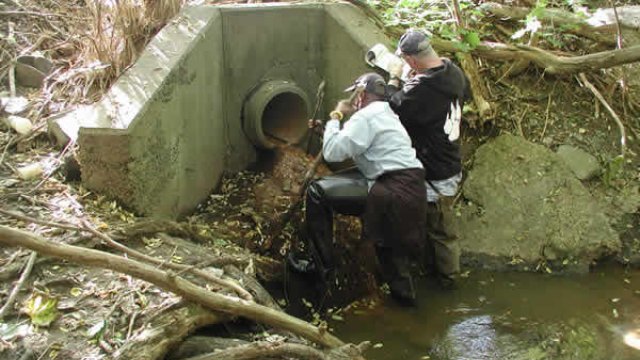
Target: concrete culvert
[276, 113]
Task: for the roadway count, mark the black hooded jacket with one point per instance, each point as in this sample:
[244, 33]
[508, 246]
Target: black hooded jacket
[423, 104]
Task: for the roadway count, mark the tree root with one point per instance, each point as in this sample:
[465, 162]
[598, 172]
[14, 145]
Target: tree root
[282, 350]
[546, 60]
[167, 330]
[151, 227]
[616, 118]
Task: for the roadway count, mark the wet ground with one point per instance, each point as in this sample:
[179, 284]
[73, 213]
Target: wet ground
[506, 316]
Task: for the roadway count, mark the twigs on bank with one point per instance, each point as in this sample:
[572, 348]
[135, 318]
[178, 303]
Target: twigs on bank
[28, 13]
[16, 289]
[169, 282]
[29, 219]
[229, 284]
[86, 227]
[623, 135]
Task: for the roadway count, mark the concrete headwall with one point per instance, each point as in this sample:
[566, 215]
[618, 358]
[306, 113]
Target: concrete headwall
[162, 137]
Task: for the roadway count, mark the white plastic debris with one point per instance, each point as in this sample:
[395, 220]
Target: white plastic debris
[20, 124]
[30, 171]
[14, 105]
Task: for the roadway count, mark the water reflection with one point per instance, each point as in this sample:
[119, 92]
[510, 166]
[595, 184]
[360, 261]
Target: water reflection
[508, 316]
[473, 338]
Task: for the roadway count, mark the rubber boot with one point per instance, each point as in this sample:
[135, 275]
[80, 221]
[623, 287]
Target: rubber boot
[396, 273]
[442, 241]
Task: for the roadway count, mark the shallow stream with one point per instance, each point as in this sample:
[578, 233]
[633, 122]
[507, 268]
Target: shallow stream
[506, 316]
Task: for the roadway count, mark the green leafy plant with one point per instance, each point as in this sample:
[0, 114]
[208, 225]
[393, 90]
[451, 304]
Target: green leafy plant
[41, 308]
[614, 170]
[433, 16]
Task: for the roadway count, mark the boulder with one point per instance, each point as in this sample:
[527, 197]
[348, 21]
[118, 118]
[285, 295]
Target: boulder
[526, 209]
[584, 165]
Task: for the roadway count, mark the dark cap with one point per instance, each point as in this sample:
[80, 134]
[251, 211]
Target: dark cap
[413, 42]
[373, 83]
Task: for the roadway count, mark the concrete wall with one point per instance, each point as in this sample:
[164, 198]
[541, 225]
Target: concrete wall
[169, 156]
[167, 130]
[262, 43]
[348, 36]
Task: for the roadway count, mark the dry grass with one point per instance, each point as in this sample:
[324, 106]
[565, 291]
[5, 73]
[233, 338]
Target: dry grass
[118, 31]
[91, 43]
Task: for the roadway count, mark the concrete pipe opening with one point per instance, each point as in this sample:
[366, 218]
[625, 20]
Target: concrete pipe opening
[276, 114]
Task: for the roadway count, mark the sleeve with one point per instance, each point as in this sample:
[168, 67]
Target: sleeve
[405, 101]
[468, 95]
[354, 138]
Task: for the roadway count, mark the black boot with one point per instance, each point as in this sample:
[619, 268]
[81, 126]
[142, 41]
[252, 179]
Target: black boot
[397, 273]
[300, 263]
[403, 290]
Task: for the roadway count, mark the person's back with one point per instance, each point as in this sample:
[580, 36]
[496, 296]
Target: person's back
[394, 213]
[424, 105]
[375, 139]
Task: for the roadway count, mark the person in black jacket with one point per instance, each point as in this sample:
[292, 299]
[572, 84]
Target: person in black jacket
[429, 105]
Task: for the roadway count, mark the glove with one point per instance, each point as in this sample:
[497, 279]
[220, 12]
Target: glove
[395, 69]
[345, 108]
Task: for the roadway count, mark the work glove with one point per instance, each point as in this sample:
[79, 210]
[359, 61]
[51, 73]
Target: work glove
[345, 107]
[395, 69]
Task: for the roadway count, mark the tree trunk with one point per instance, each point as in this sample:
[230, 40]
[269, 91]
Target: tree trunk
[470, 67]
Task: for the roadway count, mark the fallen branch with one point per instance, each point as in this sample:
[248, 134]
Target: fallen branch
[16, 289]
[623, 135]
[550, 62]
[229, 284]
[570, 22]
[169, 282]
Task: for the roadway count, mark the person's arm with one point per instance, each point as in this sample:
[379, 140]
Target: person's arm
[354, 138]
[405, 101]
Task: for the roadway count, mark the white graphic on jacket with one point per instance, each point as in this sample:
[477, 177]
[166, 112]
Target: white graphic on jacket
[452, 125]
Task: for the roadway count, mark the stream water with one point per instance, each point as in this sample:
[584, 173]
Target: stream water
[506, 316]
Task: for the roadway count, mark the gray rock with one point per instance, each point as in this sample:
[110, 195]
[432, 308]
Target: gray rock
[584, 165]
[528, 209]
[31, 70]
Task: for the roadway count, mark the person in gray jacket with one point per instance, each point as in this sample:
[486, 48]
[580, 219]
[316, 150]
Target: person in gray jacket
[394, 209]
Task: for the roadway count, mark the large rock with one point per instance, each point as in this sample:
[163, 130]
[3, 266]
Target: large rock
[584, 165]
[527, 209]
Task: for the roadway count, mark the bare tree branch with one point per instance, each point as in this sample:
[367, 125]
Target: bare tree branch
[170, 282]
[16, 289]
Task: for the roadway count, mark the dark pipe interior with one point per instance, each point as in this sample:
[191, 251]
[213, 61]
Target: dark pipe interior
[284, 119]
